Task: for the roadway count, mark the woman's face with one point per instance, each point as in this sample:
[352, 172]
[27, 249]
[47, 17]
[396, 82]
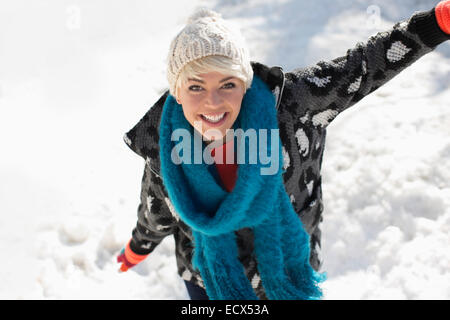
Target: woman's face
[211, 104]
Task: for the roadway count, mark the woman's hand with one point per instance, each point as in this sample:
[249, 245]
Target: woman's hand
[442, 12]
[128, 258]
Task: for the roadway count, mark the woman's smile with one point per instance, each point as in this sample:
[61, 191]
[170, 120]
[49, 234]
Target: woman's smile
[214, 120]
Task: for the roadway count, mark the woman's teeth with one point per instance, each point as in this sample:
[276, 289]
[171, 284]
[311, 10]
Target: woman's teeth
[214, 119]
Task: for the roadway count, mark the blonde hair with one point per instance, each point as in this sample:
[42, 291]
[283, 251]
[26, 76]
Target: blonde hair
[213, 63]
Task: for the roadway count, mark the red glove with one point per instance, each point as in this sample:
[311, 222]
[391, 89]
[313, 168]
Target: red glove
[128, 258]
[442, 12]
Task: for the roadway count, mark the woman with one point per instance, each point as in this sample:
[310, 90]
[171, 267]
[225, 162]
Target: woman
[234, 211]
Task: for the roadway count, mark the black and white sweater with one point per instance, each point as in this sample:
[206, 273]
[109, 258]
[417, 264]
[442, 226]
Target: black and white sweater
[308, 100]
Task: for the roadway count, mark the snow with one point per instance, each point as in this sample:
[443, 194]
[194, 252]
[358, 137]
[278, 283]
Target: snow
[76, 75]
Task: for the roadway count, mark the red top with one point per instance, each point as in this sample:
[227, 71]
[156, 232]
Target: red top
[227, 171]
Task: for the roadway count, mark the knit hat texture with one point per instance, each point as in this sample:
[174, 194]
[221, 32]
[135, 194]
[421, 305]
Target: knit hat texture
[205, 34]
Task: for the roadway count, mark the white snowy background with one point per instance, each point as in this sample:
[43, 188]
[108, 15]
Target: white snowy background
[76, 75]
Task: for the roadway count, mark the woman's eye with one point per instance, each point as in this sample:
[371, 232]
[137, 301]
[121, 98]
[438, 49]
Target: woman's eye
[195, 88]
[229, 85]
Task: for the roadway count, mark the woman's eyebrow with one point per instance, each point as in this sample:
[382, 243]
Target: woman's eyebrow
[226, 79]
[196, 80]
[201, 81]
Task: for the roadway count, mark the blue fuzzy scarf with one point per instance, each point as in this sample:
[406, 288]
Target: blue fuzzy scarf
[259, 202]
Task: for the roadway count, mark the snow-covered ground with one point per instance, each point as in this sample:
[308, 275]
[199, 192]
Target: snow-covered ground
[76, 75]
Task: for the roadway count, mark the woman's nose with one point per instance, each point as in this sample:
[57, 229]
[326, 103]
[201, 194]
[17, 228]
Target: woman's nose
[214, 99]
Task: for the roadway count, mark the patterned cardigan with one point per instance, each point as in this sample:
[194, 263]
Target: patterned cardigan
[308, 99]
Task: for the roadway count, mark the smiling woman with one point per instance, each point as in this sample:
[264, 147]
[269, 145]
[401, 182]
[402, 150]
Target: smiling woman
[211, 101]
[256, 235]
[211, 89]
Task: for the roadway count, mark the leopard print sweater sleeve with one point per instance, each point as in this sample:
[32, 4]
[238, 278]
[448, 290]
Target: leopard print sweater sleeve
[319, 93]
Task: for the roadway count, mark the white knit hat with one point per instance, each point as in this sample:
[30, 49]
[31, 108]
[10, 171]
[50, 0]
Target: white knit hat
[206, 34]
